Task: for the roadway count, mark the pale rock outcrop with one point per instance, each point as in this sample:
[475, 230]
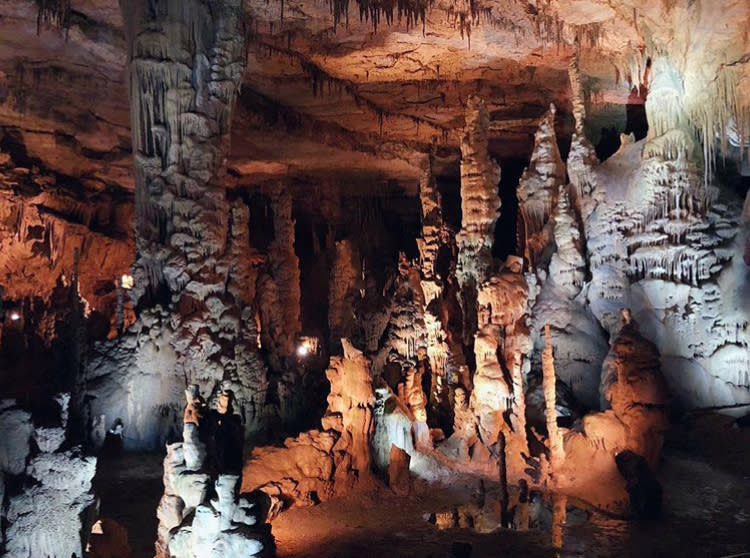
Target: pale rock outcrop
[52, 514]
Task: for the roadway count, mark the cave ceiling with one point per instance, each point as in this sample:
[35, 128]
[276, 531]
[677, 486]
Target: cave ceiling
[359, 89]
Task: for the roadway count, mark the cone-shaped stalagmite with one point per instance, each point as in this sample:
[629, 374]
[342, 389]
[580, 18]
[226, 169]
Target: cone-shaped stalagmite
[538, 190]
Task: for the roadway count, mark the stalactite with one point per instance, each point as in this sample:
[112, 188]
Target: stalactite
[557, 453]
[53, 12]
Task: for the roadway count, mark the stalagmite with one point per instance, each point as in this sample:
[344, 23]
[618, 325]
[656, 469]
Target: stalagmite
[567, 265]
[191, 523]
[436, 236]
[556, 450]
[433, 230]
[405, 333]
[318, 464]
[480, 206]
[284, 269]
[538, 190]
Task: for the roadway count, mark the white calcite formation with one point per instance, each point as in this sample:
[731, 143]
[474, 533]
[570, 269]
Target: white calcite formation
[664, 246]
[567, 266]
[192, 522]
[581, 156]
[192, 244]
[51, 511]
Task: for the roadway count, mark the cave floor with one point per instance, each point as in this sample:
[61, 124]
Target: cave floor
[705, 474]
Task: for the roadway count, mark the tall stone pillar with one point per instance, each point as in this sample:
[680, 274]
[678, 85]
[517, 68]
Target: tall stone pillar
[193, 280]
[480, 207]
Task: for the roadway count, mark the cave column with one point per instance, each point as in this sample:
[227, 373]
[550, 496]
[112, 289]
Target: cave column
[480, 207]
[279, 298]
[435, 236]
[187, 59]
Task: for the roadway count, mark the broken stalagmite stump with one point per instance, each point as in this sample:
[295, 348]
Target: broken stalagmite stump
[398, 471]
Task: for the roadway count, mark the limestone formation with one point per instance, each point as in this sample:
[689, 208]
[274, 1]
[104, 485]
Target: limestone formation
[556, 449]
[480, 206]
[184, 80]
[582, 156]
[192, 524]
[538, 191]
[567, 266]
[345, 278]
[405, 331]
[52, 509]
[318, 464]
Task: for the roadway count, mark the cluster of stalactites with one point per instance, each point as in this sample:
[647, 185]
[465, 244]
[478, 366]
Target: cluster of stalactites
[670, 134]
[55, 13]
[480, 201]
